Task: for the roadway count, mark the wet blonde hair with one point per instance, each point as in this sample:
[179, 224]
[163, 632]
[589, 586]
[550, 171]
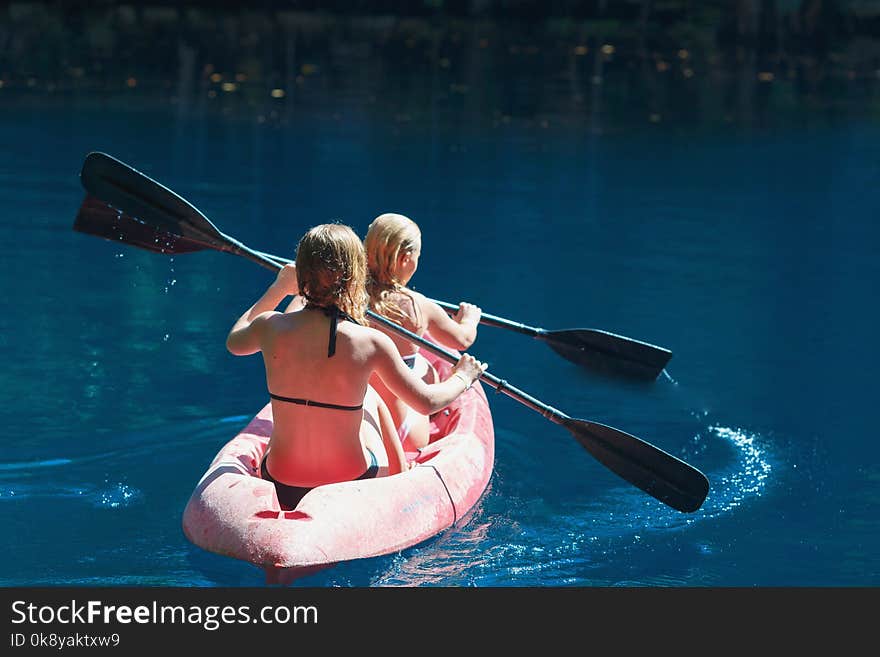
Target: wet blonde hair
[331, 269]
[387, 238]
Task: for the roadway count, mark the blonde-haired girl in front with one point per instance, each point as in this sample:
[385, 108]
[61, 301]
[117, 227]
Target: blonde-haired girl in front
[329, 425]
[394, 244]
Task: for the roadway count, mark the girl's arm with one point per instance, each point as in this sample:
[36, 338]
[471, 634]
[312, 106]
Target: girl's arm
[457, 332]
[423, 397]
[244, 337]
[393, 447]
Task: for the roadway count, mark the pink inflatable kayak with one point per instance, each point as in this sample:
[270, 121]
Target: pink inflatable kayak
[234, 512]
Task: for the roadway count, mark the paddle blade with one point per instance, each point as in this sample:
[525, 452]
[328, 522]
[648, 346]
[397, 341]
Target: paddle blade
[95, 217]
[658, 473]
[607, 352]
[138, 195]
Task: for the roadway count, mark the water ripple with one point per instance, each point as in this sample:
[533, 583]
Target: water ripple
[109, 496]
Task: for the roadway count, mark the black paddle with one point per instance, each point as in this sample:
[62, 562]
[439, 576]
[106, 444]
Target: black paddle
[591, 348]
[151, 216]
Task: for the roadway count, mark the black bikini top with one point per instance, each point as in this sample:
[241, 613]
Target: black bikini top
[334, 314]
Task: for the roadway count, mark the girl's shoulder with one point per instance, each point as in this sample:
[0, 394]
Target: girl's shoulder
[406, 302]
[267, 318]
[402, 294]
[418, 296]
[365, 336]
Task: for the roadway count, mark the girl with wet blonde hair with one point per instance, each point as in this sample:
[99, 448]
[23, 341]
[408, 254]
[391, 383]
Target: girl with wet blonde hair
[329, 424]
[390, 238]
[393, 244]
[332, 270]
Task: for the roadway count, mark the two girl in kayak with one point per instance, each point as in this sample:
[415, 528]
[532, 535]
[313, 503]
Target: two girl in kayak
[329, 423]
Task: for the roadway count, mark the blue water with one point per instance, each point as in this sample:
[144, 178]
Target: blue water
[741, 237]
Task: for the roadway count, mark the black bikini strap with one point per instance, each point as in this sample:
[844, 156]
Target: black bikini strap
[309, 402]
[334, 314]
[334, 319]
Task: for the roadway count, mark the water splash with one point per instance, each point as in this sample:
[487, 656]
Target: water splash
[746, 478]
[119, 495]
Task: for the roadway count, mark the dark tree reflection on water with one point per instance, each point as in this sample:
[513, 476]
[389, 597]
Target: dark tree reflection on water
[487, 63]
